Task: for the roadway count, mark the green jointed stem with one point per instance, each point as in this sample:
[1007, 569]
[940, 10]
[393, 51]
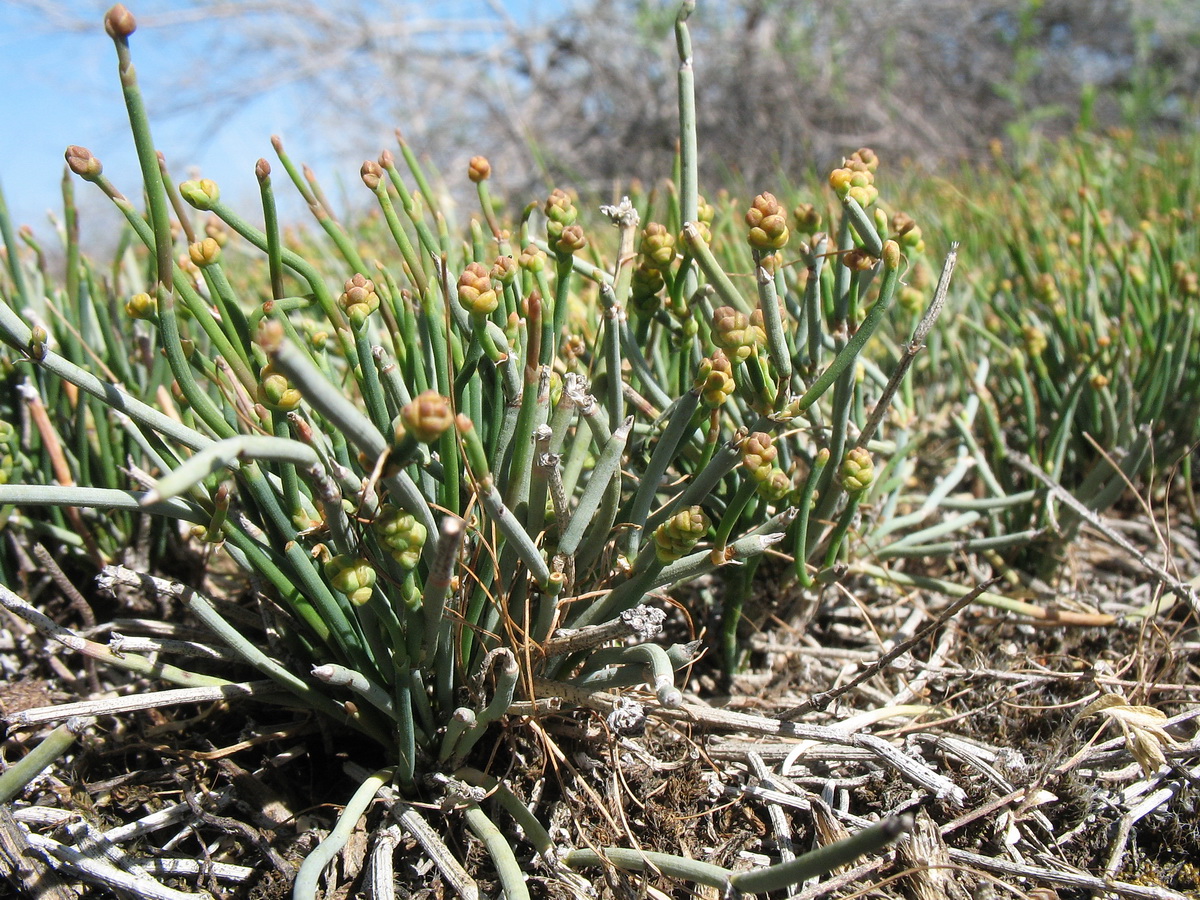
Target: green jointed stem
[841, 528]
[668, 446]
[139, 124]
[514, 533]
[849, 353]
[641, 860]
[50, 748]
[801, 542]
[508, 869]
[822, 860]
[305, 887]
[438, 581]
[226, 454]
[411, 260]
[768, 302]
[607, 466]
[712, 269]
[863, 226]
[535, 832]
[662, 674]
[274, 250]
[612, 364]
[290, 258]
[99, 498]
[13, 257]
[689, 171]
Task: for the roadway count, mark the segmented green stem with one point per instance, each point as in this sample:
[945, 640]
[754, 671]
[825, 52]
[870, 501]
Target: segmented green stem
[309, 874]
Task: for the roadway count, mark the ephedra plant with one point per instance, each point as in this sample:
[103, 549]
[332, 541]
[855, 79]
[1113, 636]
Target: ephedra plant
[460, 482]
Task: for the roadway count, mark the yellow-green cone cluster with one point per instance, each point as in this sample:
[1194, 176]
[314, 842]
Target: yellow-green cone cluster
[907, 232]
[560, 214]
[657, 246]
[402, 535]
[426, 418]
[758, 459]
[504, 270]
[714, 379]
[758, 455]
[857, 470]
[475, 290]
[275, 391]
[644, 288]
[856, 178]
[202, 194]
[737, 334]
[141, 306]
[1035, 340]
[8, 438]
[571, 241]
[807, 218]
[677, 536]
[1186, 282]
[204, 253]
[532, 259]
[359, 300]
[768, 224]
[351, 576]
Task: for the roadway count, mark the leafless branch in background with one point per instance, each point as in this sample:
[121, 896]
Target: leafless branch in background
[784, 84]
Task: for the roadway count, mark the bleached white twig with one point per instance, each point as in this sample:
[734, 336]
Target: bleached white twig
[113, 705]
[105, 874]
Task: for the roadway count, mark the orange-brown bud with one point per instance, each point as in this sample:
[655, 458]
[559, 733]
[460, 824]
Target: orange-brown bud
[119, 22]
[479, 169]
[81, 161]
[858, 260]
[270, 335]
[372, 174]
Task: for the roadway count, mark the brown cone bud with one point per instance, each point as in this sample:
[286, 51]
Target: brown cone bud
[479, 169]
[262, 170]
[372, 173]
[81, 161]
[119, 22]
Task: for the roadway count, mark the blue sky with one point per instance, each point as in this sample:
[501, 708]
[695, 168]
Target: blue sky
[61, 88]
